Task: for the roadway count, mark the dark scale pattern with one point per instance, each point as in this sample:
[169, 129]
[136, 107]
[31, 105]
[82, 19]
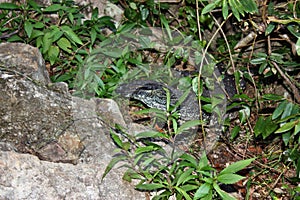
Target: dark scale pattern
[153, 95]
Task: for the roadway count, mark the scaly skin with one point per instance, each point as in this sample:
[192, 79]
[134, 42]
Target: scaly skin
[153, 95]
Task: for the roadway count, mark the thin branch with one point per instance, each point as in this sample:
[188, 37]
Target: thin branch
[198, 20]
[289, 82]
[198, 84]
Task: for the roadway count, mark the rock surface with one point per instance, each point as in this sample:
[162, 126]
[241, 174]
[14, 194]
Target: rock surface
[24, 176]
[53, 145]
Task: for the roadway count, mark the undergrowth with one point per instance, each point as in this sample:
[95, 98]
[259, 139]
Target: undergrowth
[258, 42]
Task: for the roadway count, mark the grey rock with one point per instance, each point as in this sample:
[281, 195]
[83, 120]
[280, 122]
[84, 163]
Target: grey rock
[53, 145]
[30, 64]
[24, 176]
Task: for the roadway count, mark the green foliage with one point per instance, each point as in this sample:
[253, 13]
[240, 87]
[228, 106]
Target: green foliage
[237, 7]
[287, 19]
[169, 171]
[144, 13]
[57, 30]
[68, 43]
[266, 62]
[101, 70]
[183, 175]
[285, 120]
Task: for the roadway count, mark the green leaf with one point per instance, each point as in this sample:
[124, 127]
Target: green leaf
[298, 46]
[270, 127]
[53, 54]
[56, 33]
[71, 17]
[184, 176]
[244, 113]
[53, 8]
[202, 191]
[182, 98]
[137, 159]
[93, 34]
[224, 195]
[28, 28]
[249, 77]
[239, 6]
[209, 180]
[217, 99]
[229, 178]
[168, 95]
[273, 97]
[47, 42]
[112, 52]
[127, 27]
[130, 174]
[262, 67]
[112, 163]
[133, 5]
[208, 8]
[181, 191]
[284, 120]
[287, 110]
[288, 126]
[39, 25]
[149, 134]
[225, 9]
[64, 77]
[203, 161]
[36, 33]
[269, 28]
[286, 138]
[15, 38]
[149, 187]
[9, 6]
[259, 126]
[126, 146]
[237, 166]
[39, 42]
[279, 110]
[277, 57]
[147, 175]
[187, 125]
[144, 13]
[190, 159]
[116, 139]
[294, 29]
[209, 196]
[189, 187]
[166, 25]
[297, 129]
[207, 107]
[145, 149]
[257, 61]
[175, 124]
[234, 132]
[64, 44]
[249, 6]
[234, 9]
[148, 161]
[34, 5]
[71, 35]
